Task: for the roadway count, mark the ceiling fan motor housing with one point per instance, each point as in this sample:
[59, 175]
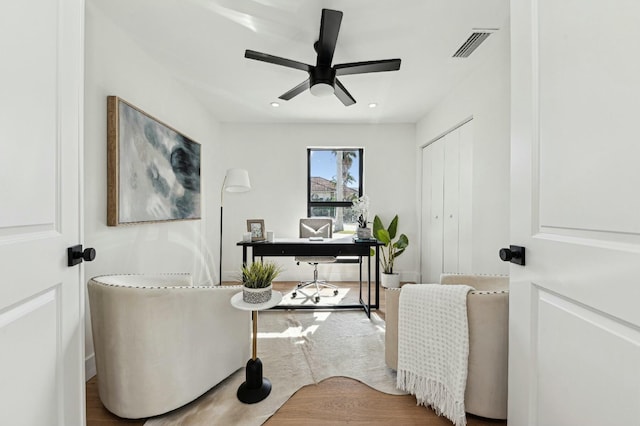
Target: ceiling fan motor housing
[320, 78]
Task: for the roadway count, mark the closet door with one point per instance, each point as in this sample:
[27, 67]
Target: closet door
[451, 194]
[425, 219]
[447, 211]
[465, 199]
[432, 209]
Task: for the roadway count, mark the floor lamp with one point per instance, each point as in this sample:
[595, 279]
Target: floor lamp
[236, 180]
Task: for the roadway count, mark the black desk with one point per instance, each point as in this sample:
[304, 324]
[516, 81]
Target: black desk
[291, 247]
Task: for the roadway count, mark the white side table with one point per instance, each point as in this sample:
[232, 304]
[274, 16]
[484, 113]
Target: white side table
[255, 388]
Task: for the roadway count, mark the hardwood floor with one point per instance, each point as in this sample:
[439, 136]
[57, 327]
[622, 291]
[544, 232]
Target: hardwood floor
[97, 415]
[335, 401]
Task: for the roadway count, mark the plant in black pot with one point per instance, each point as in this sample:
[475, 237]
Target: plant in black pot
[257, 280]
[390, 250]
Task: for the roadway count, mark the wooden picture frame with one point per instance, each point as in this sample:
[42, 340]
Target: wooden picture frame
[153, 171]
[256, 227]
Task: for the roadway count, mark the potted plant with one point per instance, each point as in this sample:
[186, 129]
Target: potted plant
[257, 280]
[390, 250]
[361, 207]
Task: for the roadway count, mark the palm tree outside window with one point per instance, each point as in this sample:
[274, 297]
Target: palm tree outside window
[334, 180]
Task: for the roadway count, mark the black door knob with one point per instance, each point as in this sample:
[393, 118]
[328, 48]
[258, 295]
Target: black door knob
[76, 255]
[513, 254]
[505, 254]
[89, 254]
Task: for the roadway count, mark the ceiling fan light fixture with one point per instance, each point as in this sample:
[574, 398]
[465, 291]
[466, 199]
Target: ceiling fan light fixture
[322, 79]
[321, 89]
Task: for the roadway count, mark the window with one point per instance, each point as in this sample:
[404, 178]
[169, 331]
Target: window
[334, 180]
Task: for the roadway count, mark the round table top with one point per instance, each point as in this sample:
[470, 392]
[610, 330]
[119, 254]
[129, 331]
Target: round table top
[238, 303]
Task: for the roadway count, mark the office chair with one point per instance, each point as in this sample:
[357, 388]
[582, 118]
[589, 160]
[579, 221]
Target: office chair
[314, 228]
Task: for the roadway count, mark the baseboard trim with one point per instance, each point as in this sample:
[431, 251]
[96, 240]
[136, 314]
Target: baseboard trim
[90, 367]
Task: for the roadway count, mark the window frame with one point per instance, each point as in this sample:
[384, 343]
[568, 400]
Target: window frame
[311, 204]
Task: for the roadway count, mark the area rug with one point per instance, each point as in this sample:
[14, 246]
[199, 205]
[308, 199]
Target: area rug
[297, 349]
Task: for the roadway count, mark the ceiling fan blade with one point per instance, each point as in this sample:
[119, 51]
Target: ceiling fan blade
[367, 66]
[343, 94]
[265, 57]
[295, 91]
[329, 28]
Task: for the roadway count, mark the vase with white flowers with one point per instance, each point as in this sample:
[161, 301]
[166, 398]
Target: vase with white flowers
[360, 206]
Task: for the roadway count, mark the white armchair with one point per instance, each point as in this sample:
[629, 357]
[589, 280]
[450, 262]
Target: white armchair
[488, 317]
[161, 342]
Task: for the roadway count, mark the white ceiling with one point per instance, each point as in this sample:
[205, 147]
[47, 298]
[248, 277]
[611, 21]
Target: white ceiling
[202, 42]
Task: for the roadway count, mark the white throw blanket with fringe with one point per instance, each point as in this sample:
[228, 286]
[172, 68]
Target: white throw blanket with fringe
[433, 346]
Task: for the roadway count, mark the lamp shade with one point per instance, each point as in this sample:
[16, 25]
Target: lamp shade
[237, 180]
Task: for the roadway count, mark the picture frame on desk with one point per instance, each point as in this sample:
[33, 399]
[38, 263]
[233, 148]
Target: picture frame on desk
[256, 227]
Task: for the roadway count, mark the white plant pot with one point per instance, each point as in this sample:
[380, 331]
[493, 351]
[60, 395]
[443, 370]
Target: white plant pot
[256, 295]
[390, 280]
[363, 233]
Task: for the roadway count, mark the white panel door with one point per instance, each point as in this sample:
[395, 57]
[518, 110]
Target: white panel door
[425, 236]
[465, 199]
[451, 198]
[433, 169]
[41, 299]
[574, 342]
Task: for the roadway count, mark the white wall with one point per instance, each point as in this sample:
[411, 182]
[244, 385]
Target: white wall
[114, 66]
[276, 158]
[484, 95]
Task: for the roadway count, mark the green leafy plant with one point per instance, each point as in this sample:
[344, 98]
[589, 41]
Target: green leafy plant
[260, 274]
[391, 249]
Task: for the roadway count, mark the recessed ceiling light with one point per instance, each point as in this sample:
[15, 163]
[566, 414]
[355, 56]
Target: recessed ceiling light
[373, 105]
[275, 104]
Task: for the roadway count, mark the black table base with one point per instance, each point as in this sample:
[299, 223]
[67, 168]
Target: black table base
[255, 388]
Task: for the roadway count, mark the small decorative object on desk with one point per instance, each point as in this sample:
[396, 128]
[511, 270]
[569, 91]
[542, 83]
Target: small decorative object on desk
[361, 207]
[257, 279]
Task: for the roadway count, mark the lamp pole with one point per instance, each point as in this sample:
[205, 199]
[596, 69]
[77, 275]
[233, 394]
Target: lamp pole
[221, 211]
[235, 180]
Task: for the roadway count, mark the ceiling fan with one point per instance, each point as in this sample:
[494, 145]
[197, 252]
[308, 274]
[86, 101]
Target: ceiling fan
[323, 79]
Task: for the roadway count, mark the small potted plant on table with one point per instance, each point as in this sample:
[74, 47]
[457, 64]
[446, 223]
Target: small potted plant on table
[390, 250]
[257, 280]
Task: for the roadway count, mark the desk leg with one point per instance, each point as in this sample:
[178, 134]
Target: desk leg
[377, 305]
[244, 255]
[255, 388]
[369, 285]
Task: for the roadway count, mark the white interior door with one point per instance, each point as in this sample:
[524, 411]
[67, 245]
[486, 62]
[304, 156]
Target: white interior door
[41, 299]
[574, 343]
[451, 198]
[465, 198]
[432, 211]
[425, 235]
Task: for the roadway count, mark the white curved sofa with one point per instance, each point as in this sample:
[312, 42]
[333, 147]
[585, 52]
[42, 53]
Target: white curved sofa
[488, 317]
[161, 342]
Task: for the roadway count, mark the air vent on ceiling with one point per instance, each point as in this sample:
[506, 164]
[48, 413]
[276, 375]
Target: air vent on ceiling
[475, 39]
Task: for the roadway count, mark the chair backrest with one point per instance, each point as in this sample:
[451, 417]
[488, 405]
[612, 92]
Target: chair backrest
[316, 227]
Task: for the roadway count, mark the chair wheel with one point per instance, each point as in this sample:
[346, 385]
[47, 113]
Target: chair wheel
[293, 295]
[316, 299]
[335, 292]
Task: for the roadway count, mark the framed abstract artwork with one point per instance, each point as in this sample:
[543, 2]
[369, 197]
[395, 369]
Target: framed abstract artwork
[153, 171]
[256, 227]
